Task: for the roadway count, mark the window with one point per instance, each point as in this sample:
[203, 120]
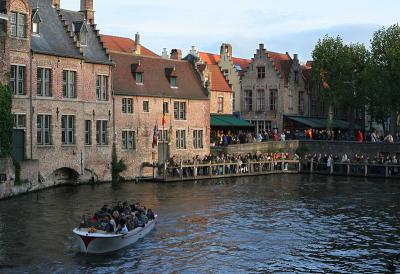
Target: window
[260, 100]
[69, 84]
[273, 97]
[127, 105]
[260, 72]
[43, 82]
[198, 139]
[181, 139]
[101, 132]
[165, 108]
[139, 77]
[128, 139]
[17, 77]
[180, 110]
[301, 102]
[35, 27]
[36, 21]
[163, 135]
[313, 106]
[19, 121]
[146, 107]
[43, 130]
[88, 132]
[173, 82]
[248, 100]
[101, 87]
[220, 104]
[18, 25]
[68, 130]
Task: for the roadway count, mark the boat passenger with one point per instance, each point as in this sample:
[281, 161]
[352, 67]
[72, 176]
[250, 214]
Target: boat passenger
[122, 227]
[110, 226]
[119, 207]
[150, 214]
[116, 216]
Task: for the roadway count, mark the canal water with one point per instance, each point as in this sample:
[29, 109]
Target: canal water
[271, 224]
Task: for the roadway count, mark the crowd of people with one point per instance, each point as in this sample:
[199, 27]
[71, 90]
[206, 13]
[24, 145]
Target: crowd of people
[122, 218]
[225, 138]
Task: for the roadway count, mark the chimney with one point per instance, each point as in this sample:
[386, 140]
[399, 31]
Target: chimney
[138, 46]
[87, 9]
[56, 4]
[164, 54]
[194, 51]
[295, 56]
[261, 46]
[176, 54]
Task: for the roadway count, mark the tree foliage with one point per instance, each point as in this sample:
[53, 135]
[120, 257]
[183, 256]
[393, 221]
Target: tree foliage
[117, 166]
[6, 121]
[385, 69]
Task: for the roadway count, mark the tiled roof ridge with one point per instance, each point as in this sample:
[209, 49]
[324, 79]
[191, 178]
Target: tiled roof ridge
[146, 56]
[98, 36]
[69, 31]
[117, 40]
[275, 65]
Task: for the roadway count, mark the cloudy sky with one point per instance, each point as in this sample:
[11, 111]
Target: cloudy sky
[282, 25]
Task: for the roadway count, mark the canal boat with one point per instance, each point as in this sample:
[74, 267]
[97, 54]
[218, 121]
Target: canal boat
[99, 242]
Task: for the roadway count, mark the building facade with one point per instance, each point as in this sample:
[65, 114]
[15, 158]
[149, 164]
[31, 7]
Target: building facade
[272, 87]
[61, 78]
[161, 107]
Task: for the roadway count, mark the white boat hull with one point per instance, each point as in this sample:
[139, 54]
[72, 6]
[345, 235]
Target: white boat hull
[98, 243]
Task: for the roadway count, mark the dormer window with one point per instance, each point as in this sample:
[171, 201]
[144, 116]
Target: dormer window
[36, 20]
[139, 77]
[173, 82]
[81, 32]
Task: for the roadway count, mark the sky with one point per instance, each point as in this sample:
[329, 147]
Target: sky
[281, 25]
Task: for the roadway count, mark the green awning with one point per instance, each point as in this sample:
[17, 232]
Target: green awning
[320, 122]
[228, 121]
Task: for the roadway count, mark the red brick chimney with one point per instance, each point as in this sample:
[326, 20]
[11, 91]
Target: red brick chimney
[87, 9]
[56, 3]
[176, 54]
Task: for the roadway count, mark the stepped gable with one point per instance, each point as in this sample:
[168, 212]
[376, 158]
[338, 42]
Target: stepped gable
[53, 38]
[282, 62]
[155, 81]
[125, 45]
[94, 51]
[211, 58]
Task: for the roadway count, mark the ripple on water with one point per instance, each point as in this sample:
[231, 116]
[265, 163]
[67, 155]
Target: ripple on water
[274, 224]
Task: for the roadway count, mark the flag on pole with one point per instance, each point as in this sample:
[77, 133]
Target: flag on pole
[155, 136]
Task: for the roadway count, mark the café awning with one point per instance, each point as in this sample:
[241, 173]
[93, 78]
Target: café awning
[228, 121]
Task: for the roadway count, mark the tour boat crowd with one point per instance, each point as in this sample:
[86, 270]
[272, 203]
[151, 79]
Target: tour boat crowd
[122, 218]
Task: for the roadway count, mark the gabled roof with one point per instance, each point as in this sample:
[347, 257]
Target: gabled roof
[211, 58]
[54, 37]
[218, 80]
[282, 63]
[125, 45]
[155, 82]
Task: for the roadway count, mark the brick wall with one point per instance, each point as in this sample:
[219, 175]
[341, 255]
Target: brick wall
[227, 102]
[142, 123]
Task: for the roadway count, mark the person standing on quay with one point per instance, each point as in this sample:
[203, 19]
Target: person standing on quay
[360, 136]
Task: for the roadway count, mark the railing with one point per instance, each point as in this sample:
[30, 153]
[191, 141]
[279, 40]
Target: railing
[182, 171]
[352, 169]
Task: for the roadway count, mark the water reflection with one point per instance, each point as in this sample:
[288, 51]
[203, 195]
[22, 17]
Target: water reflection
[274, 224]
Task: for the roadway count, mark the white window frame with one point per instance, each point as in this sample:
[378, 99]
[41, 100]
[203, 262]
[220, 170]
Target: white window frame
[180, 110]
[68, 131]
[128, 139]
[102, 132]
[43, 86]
[180, 135]
[102, 87]
[198, 142]
[69, 84]
[42, 130]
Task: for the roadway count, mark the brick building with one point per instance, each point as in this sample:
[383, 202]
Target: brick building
[61, 78]
[147, 88]
[272, 87]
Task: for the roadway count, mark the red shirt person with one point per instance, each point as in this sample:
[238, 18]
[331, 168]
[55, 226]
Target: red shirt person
[360, 136]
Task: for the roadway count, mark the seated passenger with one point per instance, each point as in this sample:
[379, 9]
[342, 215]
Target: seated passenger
[122, 227]
[150, 214]
[141, 222]
[110, 226]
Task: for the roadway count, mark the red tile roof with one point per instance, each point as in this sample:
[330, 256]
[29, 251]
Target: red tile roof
[122, 44]
[155, 80]
[211, 58]
[218, 81]
[282, 63]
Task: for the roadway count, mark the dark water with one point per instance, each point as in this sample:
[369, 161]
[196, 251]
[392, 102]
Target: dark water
[274, 224]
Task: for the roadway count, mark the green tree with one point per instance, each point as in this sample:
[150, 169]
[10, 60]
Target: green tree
[6, 121]
[117, 166]
[385, 61]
